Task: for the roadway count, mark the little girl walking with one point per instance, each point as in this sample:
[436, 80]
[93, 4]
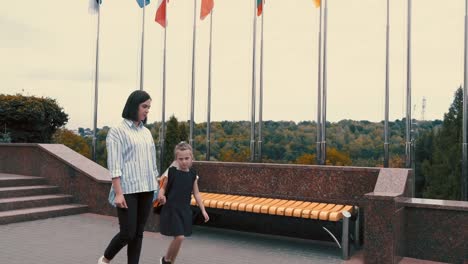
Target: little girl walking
[176, 215]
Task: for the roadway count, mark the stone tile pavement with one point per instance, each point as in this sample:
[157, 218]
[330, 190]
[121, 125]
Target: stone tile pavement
[82, 239]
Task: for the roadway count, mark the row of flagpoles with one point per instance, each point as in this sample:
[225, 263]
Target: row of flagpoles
[161, 18]
[207, 7]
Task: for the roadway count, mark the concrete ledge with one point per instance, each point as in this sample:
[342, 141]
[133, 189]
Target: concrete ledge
[432, 204]
[435, 230]
[342, 185]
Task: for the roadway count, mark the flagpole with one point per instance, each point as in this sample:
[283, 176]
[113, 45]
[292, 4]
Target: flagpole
[408, 93]
[163, 117]
[192, 95]
[142, 46]
[208, 118]
[260, 107]
[319, 94]
[96, 83]
[464, 191]
[252, 121]
[387, 89]
[324, 95]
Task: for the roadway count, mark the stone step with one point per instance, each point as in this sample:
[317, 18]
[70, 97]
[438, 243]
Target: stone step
[22, 191]
[34, 201]
[13, 180]
[30, 214]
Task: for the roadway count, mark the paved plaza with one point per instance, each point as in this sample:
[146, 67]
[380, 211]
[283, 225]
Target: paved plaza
[82, 239]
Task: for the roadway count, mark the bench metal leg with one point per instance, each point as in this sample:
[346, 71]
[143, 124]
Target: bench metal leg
[345, 236]
[333, 236]
[357, 241]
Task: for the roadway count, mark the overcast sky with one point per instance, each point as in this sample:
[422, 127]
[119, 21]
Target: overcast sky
[47, 48]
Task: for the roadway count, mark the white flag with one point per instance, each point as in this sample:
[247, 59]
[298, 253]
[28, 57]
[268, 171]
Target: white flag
[94, 6]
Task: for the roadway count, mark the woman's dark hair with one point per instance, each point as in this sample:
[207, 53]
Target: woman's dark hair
[134, 100]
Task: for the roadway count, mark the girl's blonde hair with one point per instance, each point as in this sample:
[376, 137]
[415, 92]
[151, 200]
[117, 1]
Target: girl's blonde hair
[181, 147]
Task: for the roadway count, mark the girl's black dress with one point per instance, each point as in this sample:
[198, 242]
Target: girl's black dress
[176, 214]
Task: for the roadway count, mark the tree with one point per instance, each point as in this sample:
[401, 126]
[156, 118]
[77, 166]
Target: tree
[442, 173]
[286, 142]
[337, 158]
[101, 150]
[424, 148]
[171, 140]
[5, 138]
[396, 161]
[183, 132]
[73, 141]
[81, 131]
[230, 155]
[31, 119]
[307, 159]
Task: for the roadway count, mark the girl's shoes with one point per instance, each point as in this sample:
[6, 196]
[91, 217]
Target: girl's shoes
[163, 261]
[101, 260]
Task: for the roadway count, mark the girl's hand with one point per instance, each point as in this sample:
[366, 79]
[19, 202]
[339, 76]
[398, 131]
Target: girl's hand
[120, 201]
[205, 215]
[161, 198]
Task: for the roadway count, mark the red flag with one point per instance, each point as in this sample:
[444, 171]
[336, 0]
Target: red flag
[206, 7]
[260, 4]
[161, 13]
[317, 3]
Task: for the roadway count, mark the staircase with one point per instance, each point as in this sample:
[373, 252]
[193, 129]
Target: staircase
[27, 198]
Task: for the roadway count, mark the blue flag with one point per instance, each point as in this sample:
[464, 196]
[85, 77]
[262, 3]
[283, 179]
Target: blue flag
[143, 2]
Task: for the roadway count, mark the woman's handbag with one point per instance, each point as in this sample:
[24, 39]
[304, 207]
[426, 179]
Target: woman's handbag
[157, 206]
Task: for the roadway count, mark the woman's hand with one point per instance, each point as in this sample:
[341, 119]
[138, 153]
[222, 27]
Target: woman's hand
[161, 198]
[120, 201]
[205, 215]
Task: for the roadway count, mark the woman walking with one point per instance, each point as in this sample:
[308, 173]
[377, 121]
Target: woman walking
[132, 164]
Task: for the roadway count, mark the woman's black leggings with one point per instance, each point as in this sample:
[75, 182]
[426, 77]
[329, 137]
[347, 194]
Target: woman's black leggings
[132, 222]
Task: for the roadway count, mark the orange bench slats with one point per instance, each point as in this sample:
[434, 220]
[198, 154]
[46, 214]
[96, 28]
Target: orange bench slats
[214, 201]
[318, 207]
[258, 208]
[282, 209]
[274, 208]
[290, 211]
[325, 213]
[305, 212]
[292, 208]
[266, 208]
[221, 200]
[227, 205]
[249, 207]
[337, 216]
[243, 205]
[208, 200]
[220, 204]
[315, 213]
[235, 205]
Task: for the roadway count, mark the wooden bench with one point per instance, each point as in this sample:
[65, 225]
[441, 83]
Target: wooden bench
[290, 208]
